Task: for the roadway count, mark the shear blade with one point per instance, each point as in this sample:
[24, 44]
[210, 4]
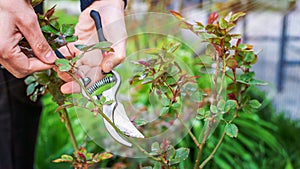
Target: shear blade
[122, 121]
[108, 109]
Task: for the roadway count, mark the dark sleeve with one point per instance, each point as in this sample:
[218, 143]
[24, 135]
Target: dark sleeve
[85, 3]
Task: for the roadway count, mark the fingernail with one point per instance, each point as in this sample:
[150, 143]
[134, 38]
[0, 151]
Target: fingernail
[108, 66]
[50, 57]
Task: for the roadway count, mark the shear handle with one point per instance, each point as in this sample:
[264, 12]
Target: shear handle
[97, 19]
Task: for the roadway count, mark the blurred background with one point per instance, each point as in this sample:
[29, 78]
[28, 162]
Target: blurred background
[273, 27]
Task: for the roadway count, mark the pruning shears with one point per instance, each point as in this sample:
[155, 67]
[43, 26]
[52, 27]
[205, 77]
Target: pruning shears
[114, 111]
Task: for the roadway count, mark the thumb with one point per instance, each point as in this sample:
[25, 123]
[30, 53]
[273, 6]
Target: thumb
[30, 28]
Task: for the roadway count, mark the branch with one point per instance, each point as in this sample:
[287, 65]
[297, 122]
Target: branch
[213, 152]
[222, 78]
[190, 133]
[70, 129]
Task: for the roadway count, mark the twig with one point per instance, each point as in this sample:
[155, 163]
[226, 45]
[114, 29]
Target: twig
[215, 80]
[213, 152]
[190, 133]
[199, 155]
[70, 129]
[222, 78]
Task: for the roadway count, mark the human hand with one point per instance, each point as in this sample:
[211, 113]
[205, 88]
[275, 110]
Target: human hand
[91, 64]
[18, 18]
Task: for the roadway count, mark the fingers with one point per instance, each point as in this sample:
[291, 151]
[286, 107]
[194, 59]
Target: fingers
[20, 66]
[70, 87]
[112, 59]
[115, 31]
[28, 25]
[94, 73]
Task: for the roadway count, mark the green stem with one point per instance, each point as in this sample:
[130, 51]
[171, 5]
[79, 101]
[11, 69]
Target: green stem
[222, 78]
[190, 133]
[70, 129]
[201, 147]
[213, 152]
[215, 80]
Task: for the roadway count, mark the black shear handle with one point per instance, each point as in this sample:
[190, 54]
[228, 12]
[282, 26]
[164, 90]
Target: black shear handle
[97, 19]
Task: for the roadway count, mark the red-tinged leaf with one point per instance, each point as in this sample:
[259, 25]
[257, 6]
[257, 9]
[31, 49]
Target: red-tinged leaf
[232, 96]
[36, 2]
[65, 106]
[103, 156]
[50, 12]
[232, 63]
[236, 16]
[186, 25]
[144, 63]
[213, 17]
[200, 24]
[176, 14]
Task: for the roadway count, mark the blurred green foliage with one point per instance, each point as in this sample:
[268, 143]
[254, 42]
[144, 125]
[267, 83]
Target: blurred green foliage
[266, 139]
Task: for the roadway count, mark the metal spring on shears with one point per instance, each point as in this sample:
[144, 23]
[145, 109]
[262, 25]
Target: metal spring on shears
[101, 83]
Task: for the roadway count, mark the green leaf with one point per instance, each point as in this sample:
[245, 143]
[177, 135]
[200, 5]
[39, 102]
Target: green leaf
[71, 39]
[157, 165]
[258, 82]
[164, 111]
[181, 154]
[223, 23]
[89, 156]
[105, 45]
[232, 63]
[173, 47]
[67, 29]
[50, 29]
[164, 89]
[29, 79]
[155, 147]
[236, 16]
[140, 122]
[255, 104]
[250, 56]
[105, 156]
[175, 105]
[165, 101]
[213, 109]
[231, 130]
[67, 157]
[147, 167]
[34, 96]
[230, 104]
[170, 152]
[63, 65]
[30, 89]
[65, 68]
[59, 62]
[245, 47]
[83, 101]
[102, 99]
[221, 105]
[82, 47]
[148, 80]
[170, 81]
[205, 36]
[210, 50]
